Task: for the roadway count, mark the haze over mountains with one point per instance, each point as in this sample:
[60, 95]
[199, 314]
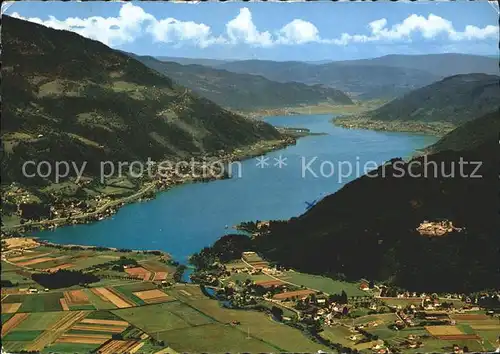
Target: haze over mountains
[244, 91]
[384, 77]
[446, 64]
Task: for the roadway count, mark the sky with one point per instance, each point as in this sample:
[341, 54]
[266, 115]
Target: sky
[276, 30]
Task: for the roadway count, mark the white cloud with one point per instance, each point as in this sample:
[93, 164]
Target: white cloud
[111, 30]
[430, 28]
[171, 30]
[241, 29]
[298, 32]
[133, 22]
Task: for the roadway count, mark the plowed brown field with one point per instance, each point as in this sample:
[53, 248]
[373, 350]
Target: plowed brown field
[13, 322]
[11, 308]
[114, 298]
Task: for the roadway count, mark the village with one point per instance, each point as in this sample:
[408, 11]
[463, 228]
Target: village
[362, 316]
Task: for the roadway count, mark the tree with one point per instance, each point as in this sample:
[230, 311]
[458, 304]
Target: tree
[277, 313]
[343, 297]
[179, 273]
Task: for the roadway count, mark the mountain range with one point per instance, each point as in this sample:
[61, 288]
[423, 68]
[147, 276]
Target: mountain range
[360, 81]
[244, 92]
[384, 77]
[69, 98]
[445, 64]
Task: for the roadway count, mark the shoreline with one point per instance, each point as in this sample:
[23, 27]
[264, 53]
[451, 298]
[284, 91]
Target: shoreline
[155, 187]
[438, 129]
[320, 108]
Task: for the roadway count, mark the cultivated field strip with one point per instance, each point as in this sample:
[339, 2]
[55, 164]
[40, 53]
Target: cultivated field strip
[52, 333]
[76, 297]
[39, 260]
[152, 296]
[110, 295]
[61, 266]
[84, 338]
[64, 304]
[97, 328]
[13, 322]
[11, 308]
[120, 347]
[29, 256]
[139, 273]
[105, 322]
[292, 294]
[443, 330]
[160, 276]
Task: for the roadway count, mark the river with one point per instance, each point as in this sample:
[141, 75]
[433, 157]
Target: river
[186, 218]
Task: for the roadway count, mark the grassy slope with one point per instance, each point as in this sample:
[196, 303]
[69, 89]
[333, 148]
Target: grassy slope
[243, 91]
[470, 134]
[436, 108]
[70, 98]
[455, 99]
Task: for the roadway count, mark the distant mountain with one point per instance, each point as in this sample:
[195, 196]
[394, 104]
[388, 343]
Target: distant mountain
[470, 135]
[243, 91]
[69, 98]
[380, 227]
[362, 81]
[447, 64]
[455, 99]
[196, 61]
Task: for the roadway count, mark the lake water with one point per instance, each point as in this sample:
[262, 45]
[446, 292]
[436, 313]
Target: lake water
[186, 218]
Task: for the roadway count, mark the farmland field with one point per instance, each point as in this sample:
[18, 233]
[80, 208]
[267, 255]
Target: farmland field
[70, 348]
[5, 317]
[24, 336]
[152, 318]
[112, 296]
[13, 347]
[99, 302]
[40, 321]
[120, 347]
[10, 308]
[386, 318]
[56, 329]
[326, 285]
[292, 294]
[260, 325]
[244, 276]
[214, 338]
[337, 334]
[129, 290]
[102, 315]
[187, 313]
[443, 330]
[13, 322]
[41, 302]
[153, 296]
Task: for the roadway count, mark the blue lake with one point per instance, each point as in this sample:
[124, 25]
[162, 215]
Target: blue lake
[186, 218]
